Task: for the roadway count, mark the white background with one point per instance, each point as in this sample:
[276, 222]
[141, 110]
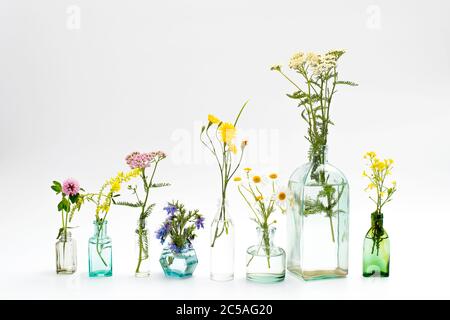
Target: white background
[142, 75]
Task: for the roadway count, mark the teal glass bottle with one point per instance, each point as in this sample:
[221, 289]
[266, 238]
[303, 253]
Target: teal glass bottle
[318, 220]
[178, 263]
[100, 252]
[376, 255]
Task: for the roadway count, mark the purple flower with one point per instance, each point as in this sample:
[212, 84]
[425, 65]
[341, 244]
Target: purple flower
[162, 232]
[199, 222]
[71, 187]
[174, 248]
[171, 209]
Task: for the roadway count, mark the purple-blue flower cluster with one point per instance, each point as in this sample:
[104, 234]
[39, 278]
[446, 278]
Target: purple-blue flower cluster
[178, 230]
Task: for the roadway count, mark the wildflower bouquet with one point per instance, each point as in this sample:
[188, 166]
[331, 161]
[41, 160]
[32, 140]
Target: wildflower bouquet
[319, 74]
[180, 227]
[71, 202]
[378, 174]
[219, 138]
[139, 163]
[263, 198]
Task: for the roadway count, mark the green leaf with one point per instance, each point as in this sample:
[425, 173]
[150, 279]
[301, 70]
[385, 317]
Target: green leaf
[128, 204]
[60, 233]
[347, 83]
[74, 199]
[159, 185]
[56, 187]
[61, 205]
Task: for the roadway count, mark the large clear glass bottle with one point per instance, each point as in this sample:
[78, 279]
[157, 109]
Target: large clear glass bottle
[266, 262]
[222, 245]
[318, 220]
[376, 255]
[100, 251]
[142, 250]
[66, 254]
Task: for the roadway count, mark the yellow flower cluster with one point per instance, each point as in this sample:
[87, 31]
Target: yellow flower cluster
[379, 170]
[114, 185]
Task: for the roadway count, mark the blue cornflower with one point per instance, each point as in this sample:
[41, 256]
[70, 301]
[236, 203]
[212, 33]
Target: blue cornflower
[199, 222]
[171, 209]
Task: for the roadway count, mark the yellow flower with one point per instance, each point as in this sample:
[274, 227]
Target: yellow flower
[378, 165]
[364, 174]
[282, 196]
[259, 198]
[394, 183]
[213, 119]
[227, 132]
[370, 155]
[247, 169]
[233, 148]
[273, 176]
[371, 186]
[256, 179]
[115, 186]
[237, 179]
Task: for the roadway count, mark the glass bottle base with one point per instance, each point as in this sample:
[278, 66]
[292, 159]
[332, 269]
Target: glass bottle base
[374, 273]
[142, 274]
[221, 277]
[318, 274]
[100, 274]
[265, 278]
[177, 275]
[66, 271]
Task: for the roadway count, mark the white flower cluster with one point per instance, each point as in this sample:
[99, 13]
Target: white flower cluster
[318, 64]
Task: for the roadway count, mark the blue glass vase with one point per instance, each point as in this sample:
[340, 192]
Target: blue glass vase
[178, 264]
[100, 252]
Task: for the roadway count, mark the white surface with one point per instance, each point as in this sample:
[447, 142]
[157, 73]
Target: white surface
[142, 75]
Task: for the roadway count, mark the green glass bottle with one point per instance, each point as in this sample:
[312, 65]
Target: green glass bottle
[376, 256]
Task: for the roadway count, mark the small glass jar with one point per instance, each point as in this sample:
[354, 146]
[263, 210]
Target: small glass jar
[100, 252]
[180, 264]
[66, 254]
[376, 255]
[266, 262]
[142, 250]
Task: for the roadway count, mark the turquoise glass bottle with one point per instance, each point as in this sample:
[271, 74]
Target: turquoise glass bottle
[100, 252]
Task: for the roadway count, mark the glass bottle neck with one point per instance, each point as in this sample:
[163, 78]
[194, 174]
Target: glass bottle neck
[65, 236]
[100, 229]
[377, 220]
[266, 236]
[318, 155]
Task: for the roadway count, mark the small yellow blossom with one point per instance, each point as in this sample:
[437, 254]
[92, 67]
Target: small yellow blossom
[247, 169]
[370, 155]
[394, 183]
[213, 119]
[364, 174]
[237, 179]
[115, 186]
[259, 198]
[273, 176]
[256, 179]
[227, 132]
[371, 186]
[233, 148]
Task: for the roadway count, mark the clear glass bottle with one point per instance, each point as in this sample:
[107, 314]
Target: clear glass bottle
[178, 264]
[266, 262]
[66, 254]
[100, 252]
[318, 220]
[142, 250]
[376, 255]
[222, 245]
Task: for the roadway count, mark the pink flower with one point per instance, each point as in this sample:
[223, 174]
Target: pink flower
[71, 187]
[139, 160]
